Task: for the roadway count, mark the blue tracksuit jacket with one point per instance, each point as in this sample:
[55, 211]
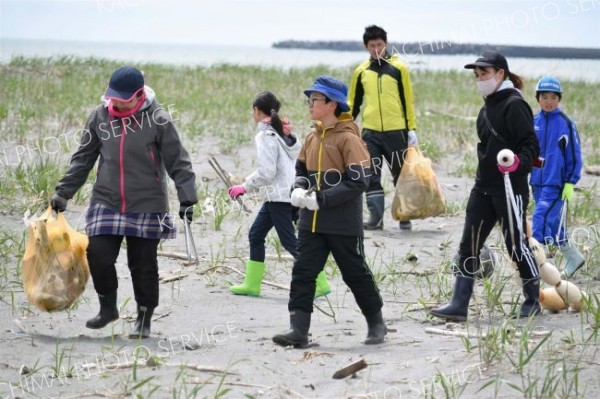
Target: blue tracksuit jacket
[561, 149]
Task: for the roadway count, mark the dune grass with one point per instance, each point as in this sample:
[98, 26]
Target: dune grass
[44, 98]
[46, 101]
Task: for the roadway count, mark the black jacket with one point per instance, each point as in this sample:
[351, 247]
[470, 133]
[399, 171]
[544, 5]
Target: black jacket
[512, 120]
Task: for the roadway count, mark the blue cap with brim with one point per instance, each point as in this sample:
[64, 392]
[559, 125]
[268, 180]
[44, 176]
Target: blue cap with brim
[331, 88]
[124, 83]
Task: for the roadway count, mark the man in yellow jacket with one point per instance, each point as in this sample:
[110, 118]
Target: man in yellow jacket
[381, 86]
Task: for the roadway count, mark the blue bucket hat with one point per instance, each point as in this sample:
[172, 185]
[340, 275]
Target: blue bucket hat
[331, 88]
[124, 83]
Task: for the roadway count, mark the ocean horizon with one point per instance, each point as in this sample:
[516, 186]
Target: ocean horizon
[266, 56]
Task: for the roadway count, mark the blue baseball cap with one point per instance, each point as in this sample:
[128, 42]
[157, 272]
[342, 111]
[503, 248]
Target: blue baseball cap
[331, 88]
[549, 83]
[124, 83]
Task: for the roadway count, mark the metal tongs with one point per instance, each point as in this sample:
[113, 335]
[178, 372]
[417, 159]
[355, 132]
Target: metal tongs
[224, 176]
[190, 245]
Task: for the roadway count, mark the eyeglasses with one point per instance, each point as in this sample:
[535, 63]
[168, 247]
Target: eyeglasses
[311, 101]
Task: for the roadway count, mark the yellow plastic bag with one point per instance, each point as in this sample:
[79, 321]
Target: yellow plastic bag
[55, 267]
[418, 194]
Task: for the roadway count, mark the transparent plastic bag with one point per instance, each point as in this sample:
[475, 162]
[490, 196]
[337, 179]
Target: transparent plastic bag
[55, 267]
[418, 194]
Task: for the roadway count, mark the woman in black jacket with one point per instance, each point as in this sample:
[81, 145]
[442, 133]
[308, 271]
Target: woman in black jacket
[505, 121]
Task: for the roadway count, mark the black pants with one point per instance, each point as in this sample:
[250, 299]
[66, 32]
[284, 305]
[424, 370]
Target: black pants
[483, 211]
[384, 147]
[348, 252]
[272, 214]
[102, 253]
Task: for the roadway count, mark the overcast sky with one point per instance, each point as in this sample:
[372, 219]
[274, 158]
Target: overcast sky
[572, 23]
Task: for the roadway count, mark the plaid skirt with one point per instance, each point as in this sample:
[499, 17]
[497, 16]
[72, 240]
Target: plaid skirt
[103, 221]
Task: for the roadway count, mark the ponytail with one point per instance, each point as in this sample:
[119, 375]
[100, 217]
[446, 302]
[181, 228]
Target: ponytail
[267, 103]
[516, 80]
[276, 122]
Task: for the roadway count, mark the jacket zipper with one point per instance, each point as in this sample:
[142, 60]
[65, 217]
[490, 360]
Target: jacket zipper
[379, 91]
[122, 167]
[318, 184]
[545, 147]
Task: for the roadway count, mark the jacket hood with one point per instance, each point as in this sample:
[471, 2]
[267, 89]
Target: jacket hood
[150, 97]
[291, 151]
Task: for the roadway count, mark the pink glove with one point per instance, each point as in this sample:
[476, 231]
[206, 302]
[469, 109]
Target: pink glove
[511, 168]
[236, 191]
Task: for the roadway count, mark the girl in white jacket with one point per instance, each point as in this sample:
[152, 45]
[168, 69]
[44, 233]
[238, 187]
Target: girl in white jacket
[276, 153]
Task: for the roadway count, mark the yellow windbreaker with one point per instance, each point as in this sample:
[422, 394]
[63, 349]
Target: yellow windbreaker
[385, 89]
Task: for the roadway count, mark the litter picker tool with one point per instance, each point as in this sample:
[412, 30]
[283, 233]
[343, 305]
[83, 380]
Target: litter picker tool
[506, 158]
[563, 222]
[224, 176]
[190, 245]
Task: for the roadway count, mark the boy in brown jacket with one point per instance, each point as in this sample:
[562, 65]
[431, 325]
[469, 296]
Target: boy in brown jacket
[332, 172]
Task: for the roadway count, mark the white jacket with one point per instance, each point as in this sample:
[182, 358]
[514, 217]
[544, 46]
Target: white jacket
[276, 166]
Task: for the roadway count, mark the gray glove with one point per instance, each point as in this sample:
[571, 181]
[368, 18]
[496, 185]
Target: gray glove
[412, 138]
[58, 203]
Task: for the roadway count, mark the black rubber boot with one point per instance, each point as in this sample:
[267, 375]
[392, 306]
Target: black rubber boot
[376, 205]
[377, 329]
[141, 329]
[405, 225]
[297, 336]
[531, 305]
[108, 311]
[458, 307]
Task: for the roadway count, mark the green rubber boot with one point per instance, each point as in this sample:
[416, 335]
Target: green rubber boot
[251, 285]
[323, 287]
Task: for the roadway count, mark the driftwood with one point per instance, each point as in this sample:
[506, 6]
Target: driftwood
[308, 355]
[94, 394]
[167, 277]
[350, 369]
[179, 255]
[205, 369]
[173, 255]
[592, 170]
[152, 362]
[182, 256]
[198, 381]
[285, 389]
[452, 333]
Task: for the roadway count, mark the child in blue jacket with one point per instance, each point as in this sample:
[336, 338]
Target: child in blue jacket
[553, 182]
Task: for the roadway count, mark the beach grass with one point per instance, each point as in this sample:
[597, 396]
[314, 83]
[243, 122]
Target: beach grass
[46, 102]
[44, 98]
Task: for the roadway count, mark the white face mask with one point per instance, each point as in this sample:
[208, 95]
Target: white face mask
[487, 87]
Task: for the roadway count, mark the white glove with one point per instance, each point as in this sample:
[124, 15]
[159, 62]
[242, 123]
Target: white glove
[300, 199]
[297, 197]
[412, 138]
[310, 201]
